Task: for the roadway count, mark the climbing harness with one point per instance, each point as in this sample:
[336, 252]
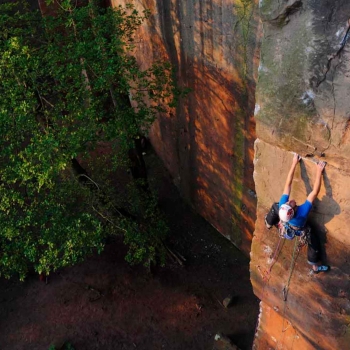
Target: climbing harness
[288, 231]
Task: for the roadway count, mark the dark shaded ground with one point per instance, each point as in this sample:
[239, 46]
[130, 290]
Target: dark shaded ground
[105, 304]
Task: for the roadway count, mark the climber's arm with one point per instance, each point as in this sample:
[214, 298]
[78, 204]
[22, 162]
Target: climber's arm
[288, 185]
[317, 185]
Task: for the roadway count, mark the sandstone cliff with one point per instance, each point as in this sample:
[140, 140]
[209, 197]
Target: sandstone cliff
[302, 105]
[207, 141]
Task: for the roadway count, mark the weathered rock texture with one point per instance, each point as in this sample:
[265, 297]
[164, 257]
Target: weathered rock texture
[207, 141]
[302, 105]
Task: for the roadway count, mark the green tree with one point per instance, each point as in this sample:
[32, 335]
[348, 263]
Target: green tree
[69, 83]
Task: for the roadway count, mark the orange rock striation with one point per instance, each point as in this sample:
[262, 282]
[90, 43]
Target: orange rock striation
[206, 142]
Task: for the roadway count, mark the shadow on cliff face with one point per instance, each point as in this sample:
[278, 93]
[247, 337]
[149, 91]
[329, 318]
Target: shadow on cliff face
[207, 143]
[104, 303]
[325, 209]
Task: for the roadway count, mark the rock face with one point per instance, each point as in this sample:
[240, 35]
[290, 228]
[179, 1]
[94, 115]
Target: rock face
[302, 105]
[303, 78]
[206, 142]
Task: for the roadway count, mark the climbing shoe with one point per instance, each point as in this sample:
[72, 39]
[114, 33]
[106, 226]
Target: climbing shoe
[322, 268]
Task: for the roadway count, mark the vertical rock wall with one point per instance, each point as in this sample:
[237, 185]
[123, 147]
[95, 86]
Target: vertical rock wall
[207, 141]
[303, 105]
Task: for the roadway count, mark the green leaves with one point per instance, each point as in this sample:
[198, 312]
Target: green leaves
[65, 83]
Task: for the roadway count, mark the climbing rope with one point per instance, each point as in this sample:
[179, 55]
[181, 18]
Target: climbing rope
[298, 244]
[296, 249]
[276, 253]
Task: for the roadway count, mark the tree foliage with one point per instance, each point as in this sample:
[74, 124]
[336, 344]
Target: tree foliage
[66, 82]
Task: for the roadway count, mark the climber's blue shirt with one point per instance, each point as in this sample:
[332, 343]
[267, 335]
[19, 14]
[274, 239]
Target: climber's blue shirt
[299, 220]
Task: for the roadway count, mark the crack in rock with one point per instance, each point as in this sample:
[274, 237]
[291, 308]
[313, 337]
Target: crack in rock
[333, 94]
[345, 132]
[337, 54]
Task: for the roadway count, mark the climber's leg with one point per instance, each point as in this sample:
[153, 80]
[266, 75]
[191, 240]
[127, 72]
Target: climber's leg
[272, 218]
[313, 254]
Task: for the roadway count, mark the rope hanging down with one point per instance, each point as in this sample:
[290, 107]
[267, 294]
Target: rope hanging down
[286, 287]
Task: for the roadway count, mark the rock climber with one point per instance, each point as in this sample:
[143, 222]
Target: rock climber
[291, 219]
